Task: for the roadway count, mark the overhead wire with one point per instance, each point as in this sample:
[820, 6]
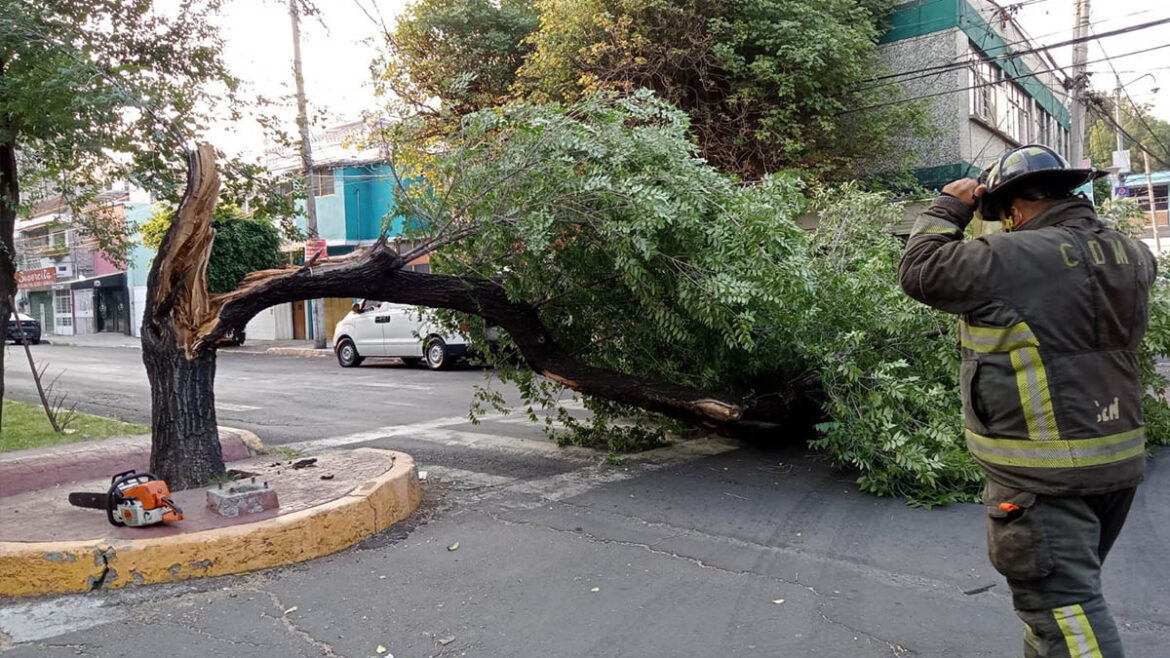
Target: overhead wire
[985, 84]
[1136, 110]
[943, 68]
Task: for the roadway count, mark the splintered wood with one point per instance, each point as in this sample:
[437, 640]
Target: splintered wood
[180, 286]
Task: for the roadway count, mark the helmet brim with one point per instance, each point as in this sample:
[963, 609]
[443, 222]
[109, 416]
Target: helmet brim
[1064, 180]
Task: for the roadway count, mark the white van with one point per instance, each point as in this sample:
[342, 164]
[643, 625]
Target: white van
[381, 329]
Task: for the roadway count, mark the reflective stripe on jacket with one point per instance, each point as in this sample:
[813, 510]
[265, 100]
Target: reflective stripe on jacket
[1050, 318]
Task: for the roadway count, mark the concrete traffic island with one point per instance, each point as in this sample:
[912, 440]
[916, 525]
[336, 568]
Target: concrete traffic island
[48, 546]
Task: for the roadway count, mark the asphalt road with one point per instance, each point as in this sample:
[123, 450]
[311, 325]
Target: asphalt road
[704, 548]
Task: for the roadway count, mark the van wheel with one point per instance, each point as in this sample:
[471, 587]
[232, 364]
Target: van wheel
[436, 354]
[347, 354]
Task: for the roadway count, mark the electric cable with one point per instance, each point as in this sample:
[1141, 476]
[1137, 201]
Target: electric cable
[986, 84]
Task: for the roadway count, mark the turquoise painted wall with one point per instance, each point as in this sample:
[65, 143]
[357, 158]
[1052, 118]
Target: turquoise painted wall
[363, 196]
[138, 257]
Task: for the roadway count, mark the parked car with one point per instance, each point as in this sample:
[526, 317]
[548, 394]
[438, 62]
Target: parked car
[381, 329]
[32, 328]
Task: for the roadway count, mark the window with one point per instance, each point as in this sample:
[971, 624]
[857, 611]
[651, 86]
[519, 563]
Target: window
[1000, 102]
[323, 182]
[983, 77]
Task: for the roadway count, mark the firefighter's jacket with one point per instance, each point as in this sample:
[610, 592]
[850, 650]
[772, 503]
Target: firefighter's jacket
[1050, 317]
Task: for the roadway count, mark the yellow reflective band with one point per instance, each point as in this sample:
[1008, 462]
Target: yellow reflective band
[1030, 638]
[988, 340]
[1078, 634]
[934, 225]
[1032, 380]
[934, 230]
[1058, 453]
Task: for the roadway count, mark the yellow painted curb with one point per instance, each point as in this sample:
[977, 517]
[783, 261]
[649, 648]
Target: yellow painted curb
[31, 568]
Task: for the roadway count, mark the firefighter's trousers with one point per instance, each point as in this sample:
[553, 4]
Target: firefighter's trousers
[1050, 549]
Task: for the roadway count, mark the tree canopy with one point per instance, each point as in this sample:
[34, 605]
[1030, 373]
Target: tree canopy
[1102, 138]
[767, 84]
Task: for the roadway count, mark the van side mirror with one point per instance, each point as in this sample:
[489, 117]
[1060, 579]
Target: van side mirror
[357, 307]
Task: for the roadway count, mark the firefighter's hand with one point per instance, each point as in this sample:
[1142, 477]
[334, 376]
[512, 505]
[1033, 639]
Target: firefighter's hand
[967, 190]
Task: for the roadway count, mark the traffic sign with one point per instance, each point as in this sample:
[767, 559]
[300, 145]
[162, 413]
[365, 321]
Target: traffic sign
[314, 248]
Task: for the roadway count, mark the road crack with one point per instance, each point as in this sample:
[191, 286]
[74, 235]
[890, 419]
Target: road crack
[324, 647]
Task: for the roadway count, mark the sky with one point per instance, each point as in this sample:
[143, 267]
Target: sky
[1051, 21]
[338, 47]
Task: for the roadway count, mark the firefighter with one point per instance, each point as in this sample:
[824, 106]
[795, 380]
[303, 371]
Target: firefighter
[1051, 312]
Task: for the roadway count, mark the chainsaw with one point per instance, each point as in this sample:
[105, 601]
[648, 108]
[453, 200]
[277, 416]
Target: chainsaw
[134, 499]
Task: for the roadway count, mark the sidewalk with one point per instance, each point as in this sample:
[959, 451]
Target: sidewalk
[251, 346]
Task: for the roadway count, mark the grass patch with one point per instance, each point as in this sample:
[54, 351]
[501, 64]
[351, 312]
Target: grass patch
[25, 426]
[284, 452]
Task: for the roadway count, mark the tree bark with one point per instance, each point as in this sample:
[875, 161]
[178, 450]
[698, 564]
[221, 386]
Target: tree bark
[9, 200]
[185, 448]
[378, 274]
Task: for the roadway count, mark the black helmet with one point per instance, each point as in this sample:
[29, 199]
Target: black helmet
[1029, 172]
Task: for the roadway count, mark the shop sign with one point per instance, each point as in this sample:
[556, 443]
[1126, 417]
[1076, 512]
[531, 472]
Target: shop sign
[36, 278]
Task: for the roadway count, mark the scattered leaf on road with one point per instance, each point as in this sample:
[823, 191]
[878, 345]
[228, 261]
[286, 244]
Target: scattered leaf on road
[380, 649]
[447, 640]
[291, 610]
[777, 601]
[595, 589]
[453, 547]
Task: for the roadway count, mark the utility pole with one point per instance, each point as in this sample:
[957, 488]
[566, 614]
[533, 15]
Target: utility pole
[1117, 114]
[316, 306]
[1153, 208]
[1080, 81]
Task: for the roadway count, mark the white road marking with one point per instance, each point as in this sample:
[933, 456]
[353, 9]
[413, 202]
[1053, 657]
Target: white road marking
[226, 406]
[385, 432]
[399, 386]
[461, 479]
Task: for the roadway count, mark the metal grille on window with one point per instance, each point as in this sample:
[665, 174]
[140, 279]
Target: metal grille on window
[63, 308]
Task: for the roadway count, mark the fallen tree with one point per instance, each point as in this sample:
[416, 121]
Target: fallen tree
[624, 268]
[184, 325]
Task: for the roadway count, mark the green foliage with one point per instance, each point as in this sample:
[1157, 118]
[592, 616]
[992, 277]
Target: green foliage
[767, 84]
[1102, 138]
[465, 52]
[642, 258]
[107, 90]
[1127, 216]
[887, 364]
[242, 244]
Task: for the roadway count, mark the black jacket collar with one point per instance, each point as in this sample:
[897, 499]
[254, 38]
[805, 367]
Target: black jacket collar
[1076, 212]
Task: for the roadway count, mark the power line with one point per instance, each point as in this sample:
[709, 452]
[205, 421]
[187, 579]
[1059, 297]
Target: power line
[1105, 114]
[986, 84]
[941, 68]
[1136, 110]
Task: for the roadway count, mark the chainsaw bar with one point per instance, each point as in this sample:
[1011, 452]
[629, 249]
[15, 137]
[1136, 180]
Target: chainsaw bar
[89, 500]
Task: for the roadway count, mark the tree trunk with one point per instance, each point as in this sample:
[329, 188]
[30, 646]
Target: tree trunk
[185, 447]
[9, 200]
[378, 274]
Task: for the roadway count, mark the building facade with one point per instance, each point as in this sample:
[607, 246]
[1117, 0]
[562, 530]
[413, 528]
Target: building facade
[1136, 186]
[354, 198]
[959, 57]
[65, 280]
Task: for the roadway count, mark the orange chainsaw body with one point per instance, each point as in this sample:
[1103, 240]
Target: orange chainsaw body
[152, 495]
